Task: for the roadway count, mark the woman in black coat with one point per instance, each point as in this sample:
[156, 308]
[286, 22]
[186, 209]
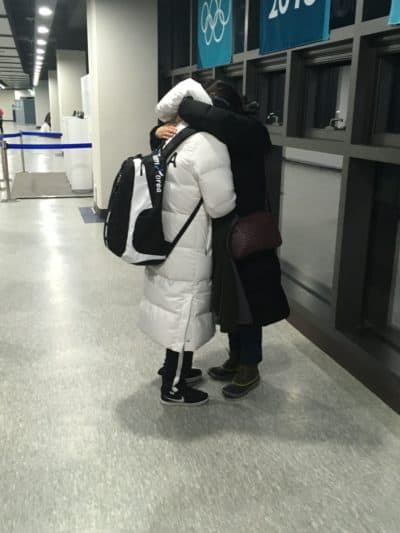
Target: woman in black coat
[247, 294]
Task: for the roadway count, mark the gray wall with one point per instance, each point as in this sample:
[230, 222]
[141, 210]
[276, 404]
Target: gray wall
[42, 101]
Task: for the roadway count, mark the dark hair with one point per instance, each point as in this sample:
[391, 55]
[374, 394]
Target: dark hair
[224, 95]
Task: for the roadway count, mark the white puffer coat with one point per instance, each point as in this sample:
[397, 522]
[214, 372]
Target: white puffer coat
[176, 308]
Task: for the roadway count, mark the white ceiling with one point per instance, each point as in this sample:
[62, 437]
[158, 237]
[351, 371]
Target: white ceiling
[11, 72]
[8, 53]
[5, 27]
[7, 42]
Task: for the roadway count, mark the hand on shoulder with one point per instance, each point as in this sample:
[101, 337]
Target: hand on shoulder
[166, 131]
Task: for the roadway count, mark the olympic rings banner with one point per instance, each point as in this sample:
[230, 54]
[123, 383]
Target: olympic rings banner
[290, 23]
[215, 33]
[395, 12]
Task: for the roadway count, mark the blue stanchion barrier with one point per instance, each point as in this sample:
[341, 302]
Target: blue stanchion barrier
[48, 146]
[49, 135]
[10, 136]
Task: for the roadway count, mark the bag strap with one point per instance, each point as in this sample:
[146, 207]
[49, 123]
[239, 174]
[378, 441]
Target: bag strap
[185, 226]
[173, 144]
[166, 152]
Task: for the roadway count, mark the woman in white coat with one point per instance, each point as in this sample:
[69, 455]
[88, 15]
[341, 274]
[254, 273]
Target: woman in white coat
[176, 308]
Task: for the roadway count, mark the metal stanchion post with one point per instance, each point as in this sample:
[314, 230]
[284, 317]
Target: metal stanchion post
[6, 174]
[21, 140]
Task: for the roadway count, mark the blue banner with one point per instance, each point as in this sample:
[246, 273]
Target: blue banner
[214, 33]
[290, 23]
[395, 12]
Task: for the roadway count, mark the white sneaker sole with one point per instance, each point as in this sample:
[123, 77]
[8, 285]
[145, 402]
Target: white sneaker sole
[183, 404]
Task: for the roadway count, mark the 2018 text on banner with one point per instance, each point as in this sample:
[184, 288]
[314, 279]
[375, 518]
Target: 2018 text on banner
[290, 23]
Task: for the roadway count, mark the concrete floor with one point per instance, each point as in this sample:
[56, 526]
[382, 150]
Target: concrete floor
[86, 446]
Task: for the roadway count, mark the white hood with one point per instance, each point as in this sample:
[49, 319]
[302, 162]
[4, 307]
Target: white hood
[167, 108]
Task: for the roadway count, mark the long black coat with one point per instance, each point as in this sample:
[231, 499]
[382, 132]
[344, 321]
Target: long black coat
[260, 274]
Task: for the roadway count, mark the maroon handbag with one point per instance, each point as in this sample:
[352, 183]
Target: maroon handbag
[254, 233]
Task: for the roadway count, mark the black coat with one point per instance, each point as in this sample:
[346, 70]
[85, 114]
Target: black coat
[247, 141]
[260, 274]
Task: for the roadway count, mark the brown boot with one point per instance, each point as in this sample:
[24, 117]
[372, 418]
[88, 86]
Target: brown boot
[246, 379]
[227, 371]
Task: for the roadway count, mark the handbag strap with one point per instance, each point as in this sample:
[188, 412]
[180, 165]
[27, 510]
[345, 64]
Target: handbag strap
[269, 207]
[268, 200]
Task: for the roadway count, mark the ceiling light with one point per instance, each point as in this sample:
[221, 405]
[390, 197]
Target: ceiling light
[40, 51]
[43, 29]
[41, 42]
[2, 86]
[45, 11]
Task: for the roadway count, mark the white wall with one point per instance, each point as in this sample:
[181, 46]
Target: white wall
[71, 66]
[343, 92]
[309, 216]
[85, 87]
[23, 94]
[315, 158]
[42, 101]
[54, 103]
[7, 98]
[123, 66]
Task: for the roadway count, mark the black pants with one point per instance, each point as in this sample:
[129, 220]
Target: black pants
[176, 367]
[1, 126]
[246, 342]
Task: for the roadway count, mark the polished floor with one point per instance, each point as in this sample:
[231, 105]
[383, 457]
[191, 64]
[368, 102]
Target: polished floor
[86, 447]
[49, 161]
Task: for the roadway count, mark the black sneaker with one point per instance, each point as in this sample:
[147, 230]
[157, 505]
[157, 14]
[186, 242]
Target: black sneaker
[195, 375]
[246, 379]
[184, 396]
